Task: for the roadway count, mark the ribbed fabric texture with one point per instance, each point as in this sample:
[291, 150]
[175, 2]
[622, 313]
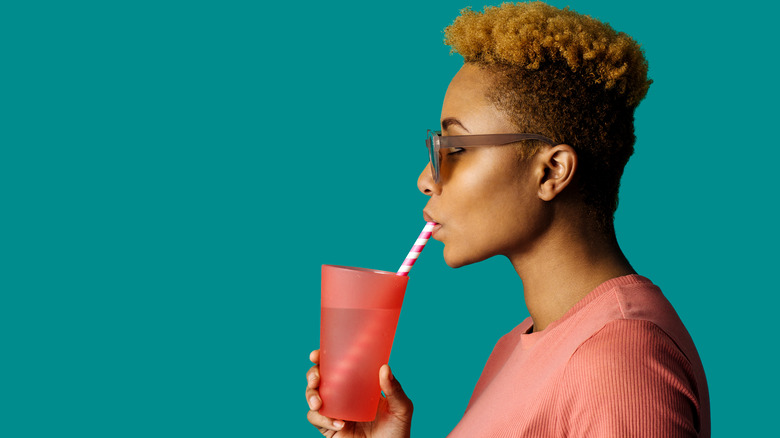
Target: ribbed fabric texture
[620, 363]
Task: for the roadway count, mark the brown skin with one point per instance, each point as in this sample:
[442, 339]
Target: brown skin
[393, 415]
[489, 202]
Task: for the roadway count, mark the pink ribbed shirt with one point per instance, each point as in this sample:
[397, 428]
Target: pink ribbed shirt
[620, 363]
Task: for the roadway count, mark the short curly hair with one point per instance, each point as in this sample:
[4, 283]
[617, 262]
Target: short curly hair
[564, 75]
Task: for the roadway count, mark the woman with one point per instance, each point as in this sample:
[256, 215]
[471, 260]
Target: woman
[603, 352]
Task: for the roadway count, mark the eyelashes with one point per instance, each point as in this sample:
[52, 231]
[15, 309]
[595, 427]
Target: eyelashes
[455, 151]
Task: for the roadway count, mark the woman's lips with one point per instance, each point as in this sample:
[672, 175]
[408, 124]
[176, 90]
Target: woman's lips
[428, 218]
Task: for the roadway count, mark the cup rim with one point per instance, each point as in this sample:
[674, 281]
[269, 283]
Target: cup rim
[353, 268]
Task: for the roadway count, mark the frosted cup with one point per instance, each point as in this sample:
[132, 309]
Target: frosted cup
[360, 309]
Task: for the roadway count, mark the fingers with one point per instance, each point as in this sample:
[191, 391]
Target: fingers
[313, 377]
[312, 384]
[323, 422]
[397, 401]
[313, 399]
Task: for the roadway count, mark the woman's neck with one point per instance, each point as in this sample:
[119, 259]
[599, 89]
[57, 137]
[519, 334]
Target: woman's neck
[563, 267]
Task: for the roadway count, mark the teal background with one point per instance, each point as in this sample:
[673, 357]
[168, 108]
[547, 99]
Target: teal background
[173, 174]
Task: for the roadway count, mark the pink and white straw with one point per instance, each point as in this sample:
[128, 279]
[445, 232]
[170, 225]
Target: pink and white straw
[419, 244]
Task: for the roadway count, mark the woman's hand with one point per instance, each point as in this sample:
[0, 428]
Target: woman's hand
[393, 416]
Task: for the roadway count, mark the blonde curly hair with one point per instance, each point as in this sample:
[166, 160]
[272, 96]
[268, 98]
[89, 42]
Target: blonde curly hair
[564, 75]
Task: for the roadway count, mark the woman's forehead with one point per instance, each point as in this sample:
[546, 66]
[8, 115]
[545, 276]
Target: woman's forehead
[466, 100]
[470, 84]
[465, 94]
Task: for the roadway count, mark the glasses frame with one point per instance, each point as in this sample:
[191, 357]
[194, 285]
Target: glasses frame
[435, 142]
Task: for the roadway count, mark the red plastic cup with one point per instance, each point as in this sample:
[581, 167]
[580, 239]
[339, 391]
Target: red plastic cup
[360, 309]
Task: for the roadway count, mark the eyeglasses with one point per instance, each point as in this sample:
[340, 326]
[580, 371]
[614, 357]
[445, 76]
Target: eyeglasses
[436, 142]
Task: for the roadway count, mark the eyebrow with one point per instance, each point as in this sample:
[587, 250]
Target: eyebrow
[452, 121]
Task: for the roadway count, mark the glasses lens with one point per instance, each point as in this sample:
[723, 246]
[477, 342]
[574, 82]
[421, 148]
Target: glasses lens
[433, 154]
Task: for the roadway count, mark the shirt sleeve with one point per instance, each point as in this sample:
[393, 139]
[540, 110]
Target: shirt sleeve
[631, 380]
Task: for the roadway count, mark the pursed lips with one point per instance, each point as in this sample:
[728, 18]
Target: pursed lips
[429, 218]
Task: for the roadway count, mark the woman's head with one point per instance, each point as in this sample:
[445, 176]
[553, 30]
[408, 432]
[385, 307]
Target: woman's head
[566, 76]
[491, 200]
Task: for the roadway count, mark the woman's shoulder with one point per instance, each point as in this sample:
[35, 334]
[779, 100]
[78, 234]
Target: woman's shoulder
[627, 339]
[640, 312]
[633, 368]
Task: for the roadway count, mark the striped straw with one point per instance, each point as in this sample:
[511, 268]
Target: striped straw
[416, 249]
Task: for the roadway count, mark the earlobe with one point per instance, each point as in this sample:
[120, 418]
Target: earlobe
[560, 165]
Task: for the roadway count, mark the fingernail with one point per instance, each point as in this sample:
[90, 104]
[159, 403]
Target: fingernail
[338, 424]
[312, 401]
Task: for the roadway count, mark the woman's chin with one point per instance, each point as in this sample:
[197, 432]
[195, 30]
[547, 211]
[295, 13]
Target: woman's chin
[453, 264]
[455, 260]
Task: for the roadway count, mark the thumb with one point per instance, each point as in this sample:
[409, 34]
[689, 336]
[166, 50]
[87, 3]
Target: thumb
[397, 402]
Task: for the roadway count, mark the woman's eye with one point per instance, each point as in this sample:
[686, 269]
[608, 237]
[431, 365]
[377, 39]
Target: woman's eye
[454, 151]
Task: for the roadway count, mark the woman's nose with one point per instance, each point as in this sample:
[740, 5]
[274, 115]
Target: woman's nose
[425, 182]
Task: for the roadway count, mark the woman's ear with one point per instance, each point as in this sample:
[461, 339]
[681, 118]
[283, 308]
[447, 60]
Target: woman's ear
[559, 164]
